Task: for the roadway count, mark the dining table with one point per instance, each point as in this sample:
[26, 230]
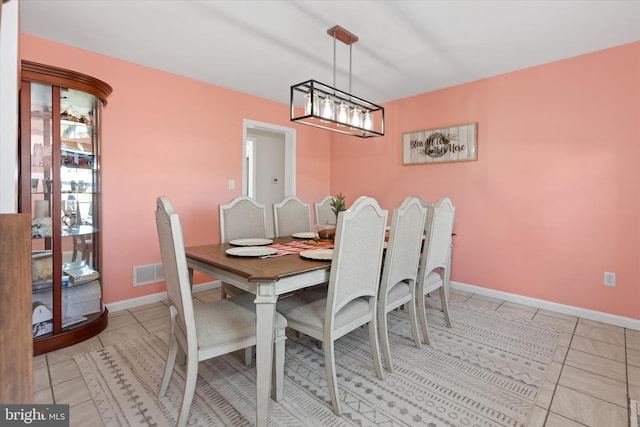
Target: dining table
[268, 278]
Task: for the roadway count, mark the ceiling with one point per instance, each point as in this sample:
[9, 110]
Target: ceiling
[262, 47]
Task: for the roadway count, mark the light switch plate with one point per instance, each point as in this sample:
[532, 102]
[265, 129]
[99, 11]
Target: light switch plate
[609, 279]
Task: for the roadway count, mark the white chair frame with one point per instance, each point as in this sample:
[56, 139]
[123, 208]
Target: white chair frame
[398, 285]
[204, 331]
[436, 260]
[243, 217]
[323, 212]
[351, 298]
[291, 215]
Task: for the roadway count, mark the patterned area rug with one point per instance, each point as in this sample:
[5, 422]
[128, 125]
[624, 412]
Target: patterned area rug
[485, 371]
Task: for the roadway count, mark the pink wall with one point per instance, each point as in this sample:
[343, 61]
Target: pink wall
[167, 135]
[552, 202]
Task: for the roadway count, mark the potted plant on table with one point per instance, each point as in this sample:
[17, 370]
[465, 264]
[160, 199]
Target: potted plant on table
[328, 231]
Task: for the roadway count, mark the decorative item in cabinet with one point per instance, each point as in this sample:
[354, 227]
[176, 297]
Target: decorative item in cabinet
[60, 118]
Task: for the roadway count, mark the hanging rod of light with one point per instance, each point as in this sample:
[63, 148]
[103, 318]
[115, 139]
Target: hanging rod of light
[323, 106]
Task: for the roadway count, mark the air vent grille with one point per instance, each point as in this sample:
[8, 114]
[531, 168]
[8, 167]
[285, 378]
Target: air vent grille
[147, 274]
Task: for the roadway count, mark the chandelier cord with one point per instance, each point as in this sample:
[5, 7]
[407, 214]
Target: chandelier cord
[334, 59]
[350, 48]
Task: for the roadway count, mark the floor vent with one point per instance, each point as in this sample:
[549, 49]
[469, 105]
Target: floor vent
[147, 274]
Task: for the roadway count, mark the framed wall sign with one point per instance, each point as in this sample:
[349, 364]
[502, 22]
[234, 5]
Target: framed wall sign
[440, 145]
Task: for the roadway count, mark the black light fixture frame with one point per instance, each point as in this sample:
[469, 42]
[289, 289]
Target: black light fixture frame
[316, 90]
[322, 90]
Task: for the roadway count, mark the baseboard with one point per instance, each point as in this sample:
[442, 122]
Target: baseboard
[634, 406]
[598, 316]
[149, 299]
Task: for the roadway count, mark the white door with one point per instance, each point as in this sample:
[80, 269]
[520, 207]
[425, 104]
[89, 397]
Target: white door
[268, 167]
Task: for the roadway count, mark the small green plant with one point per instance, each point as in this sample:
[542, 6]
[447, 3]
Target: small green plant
[338, 204]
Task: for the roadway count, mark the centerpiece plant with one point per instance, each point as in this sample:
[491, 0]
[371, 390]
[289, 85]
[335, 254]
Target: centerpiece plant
[328, 231]
[338, 205]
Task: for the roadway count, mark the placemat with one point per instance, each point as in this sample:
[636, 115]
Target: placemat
[298, 246]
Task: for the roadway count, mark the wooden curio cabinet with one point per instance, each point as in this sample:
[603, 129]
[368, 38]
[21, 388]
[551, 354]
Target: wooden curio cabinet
[60, 113]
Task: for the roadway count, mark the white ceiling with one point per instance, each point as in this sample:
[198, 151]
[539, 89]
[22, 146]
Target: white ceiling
[262, 47]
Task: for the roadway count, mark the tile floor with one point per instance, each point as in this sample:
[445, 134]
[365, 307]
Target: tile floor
[594, 373]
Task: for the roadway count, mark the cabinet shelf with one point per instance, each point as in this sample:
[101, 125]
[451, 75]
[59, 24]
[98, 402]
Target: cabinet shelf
[59, 187]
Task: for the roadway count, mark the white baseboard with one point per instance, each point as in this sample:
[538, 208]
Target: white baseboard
[148, 299]
[598, 316]
[634, 406]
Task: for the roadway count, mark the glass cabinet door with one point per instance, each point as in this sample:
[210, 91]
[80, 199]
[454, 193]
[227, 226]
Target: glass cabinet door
[42, 208]
[64, 193]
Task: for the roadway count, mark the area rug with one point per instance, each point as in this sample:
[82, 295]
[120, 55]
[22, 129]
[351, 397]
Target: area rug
[486, 370]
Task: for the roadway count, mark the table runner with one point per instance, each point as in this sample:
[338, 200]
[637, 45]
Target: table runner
[298, 246]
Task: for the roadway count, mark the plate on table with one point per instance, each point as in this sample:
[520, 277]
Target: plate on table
[251, 242]
[251, 251]
[318, 254]
[304, 235]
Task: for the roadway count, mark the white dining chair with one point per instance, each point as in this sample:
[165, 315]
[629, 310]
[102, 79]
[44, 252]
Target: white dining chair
[204, 331]
[243, 217]
[323, 212]
[351, 298]
[398, 284]
[433, 272]
[290, 216]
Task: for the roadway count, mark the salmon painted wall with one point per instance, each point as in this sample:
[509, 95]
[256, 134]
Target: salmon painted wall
[167, 135]
[553, 200]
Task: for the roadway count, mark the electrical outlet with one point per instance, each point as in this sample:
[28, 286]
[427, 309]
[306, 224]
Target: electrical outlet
[609, 279]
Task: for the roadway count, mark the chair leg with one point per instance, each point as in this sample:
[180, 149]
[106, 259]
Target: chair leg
[189, 388]
[444, 299]
[384, 336]
[248, 355]
[223, 290]
[413, 319]
[74, 256]
[332, 383]
[85, 253]
[375, 345]
[181, 356]
[277, 380]
[171, 354]
[170, 363]
[422, 314]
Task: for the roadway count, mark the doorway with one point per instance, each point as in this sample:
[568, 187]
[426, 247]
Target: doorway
[269, 164]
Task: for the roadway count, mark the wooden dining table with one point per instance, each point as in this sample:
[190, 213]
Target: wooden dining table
[267, 278]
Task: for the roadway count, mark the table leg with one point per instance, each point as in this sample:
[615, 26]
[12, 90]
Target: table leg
[265, 314]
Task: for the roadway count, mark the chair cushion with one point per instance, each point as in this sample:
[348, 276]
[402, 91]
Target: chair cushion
[308, 308]
[432, 282]
[228, 320]
[399, 292]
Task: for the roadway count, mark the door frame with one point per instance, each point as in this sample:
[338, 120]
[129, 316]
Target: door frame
[289, 153]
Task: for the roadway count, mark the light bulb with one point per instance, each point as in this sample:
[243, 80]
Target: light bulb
[343, 113]
[310, 108]
[368, 120]
[356, 117]
[327, 108]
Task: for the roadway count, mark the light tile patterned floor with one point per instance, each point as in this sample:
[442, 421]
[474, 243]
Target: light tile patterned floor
[595, 371]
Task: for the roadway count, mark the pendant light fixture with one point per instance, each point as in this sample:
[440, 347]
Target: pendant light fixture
[320, 105]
